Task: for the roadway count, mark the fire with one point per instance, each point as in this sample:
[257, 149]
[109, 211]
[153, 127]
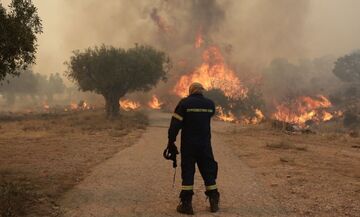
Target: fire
[81, 106]
[230, 117]
[327, 116]
[199, 40]
[46, 106]
[224, 116]
[73, 106]
[304, 109]
[259, 117]
[155, 103]
[213, 73]
[128, 105]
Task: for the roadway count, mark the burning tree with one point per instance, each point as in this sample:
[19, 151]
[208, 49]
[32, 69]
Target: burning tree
[113, 72]
[18, 29]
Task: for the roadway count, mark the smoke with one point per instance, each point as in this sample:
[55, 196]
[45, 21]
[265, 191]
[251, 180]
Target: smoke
[261, 31]
[250, 33]
[284, 81]
[255, 31]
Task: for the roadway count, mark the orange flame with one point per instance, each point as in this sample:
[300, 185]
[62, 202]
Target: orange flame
[81, 106]
[213, 73]
[225, 116]
[155, 103]
[304, 109]
[73, 106]
[259, 117]
[46, 106]
[128, 105]
[230, 117]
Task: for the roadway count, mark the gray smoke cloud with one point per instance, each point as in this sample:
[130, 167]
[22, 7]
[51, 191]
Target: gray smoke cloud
[257, 31]
[258, 38]
[251, 33]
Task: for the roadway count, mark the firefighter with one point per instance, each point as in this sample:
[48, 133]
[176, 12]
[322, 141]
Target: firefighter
[193, 116]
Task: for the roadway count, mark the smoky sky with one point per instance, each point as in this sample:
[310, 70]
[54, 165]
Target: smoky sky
[258, 31]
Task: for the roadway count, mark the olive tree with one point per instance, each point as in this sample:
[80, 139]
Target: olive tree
[54, 85]
[18, 29]
[113, 72]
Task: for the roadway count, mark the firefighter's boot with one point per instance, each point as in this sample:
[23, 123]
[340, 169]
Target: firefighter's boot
[214, 199]
[185, 206]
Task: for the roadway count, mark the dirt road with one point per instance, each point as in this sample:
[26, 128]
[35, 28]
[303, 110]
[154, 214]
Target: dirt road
[138, 182]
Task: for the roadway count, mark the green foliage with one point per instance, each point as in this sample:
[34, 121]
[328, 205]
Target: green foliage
[113, 72]
[347, 68]
[18, 29]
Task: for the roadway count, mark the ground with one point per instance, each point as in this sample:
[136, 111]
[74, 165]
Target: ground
[262, 171]
[138, 182]
[44, 155]
[315, 174]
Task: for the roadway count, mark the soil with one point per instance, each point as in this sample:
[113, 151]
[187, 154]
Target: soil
[138, 182]
[309, 174]
[85, 166]
[44, 155]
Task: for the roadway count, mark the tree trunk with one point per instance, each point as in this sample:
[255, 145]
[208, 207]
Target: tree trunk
[112, 105]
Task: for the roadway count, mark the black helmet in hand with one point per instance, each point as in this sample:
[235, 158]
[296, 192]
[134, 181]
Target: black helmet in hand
[170, 153]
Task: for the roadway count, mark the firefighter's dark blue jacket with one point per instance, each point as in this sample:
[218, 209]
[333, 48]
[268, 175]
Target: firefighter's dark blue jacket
[192, 115]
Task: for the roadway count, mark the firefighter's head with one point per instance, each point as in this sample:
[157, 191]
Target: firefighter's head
[196, 88]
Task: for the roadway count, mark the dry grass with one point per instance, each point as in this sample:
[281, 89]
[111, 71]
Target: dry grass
[283, 144]
[44, 155]
[15, 198]
[309, 174]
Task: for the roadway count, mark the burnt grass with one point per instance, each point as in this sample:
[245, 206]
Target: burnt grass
[44, 155]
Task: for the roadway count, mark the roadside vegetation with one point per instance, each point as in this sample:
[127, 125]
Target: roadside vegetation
[314, 174]
[44, 155]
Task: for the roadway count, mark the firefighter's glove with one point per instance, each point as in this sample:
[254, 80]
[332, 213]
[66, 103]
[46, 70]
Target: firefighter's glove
[170, 153]
[172, 148]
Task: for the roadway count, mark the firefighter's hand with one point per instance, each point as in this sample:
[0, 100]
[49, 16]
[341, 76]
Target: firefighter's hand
[172, 148]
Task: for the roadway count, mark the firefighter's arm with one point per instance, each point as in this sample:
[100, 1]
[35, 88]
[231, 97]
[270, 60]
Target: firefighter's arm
[176, 123]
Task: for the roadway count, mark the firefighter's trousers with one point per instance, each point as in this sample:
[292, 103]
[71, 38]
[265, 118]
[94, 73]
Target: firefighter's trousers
[202, 155]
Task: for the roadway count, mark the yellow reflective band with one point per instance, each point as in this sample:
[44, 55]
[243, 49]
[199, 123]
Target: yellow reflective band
[177, 117]
[199, 110]
[187, 187]
[211, 187]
